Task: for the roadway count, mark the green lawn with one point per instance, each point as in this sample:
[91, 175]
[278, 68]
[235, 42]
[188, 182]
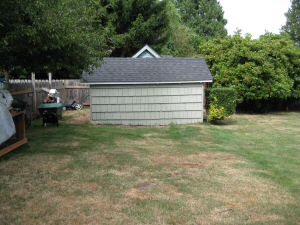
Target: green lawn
[245, 170]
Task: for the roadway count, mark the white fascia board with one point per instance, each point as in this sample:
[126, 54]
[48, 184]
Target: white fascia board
[146, 47]
[174, 82]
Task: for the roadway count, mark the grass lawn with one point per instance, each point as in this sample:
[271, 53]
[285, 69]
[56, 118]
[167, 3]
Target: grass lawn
[243, 171]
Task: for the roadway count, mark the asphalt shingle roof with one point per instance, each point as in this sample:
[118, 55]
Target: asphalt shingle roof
[122, 70]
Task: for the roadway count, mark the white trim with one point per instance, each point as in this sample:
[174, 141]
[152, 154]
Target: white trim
[174, 82]
[146, 47]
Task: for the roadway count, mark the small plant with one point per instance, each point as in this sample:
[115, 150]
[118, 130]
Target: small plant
[217, 113]
[221, 103]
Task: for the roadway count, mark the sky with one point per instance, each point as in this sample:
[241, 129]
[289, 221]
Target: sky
[255, 16]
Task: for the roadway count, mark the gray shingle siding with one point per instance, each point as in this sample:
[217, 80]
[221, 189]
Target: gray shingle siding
[147, 104]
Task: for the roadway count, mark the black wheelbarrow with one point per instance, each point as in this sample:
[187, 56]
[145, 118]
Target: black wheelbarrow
[51, 112]
[73, 105]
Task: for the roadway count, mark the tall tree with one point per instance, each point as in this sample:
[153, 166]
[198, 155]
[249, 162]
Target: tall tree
[179, 43]
[134, 23]
[205, 17]
[60, 36]
[292, 26]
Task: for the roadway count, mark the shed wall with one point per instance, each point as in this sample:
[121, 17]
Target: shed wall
[147, 104]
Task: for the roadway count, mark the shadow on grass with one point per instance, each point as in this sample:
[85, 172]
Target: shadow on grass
[225, 122]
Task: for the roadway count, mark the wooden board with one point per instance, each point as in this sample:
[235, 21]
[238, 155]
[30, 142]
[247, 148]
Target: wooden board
[77, 87]
[21, 92]
[15, 113]
[13, 146]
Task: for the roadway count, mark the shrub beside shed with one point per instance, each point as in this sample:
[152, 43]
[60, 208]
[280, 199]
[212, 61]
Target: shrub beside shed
[156, 90]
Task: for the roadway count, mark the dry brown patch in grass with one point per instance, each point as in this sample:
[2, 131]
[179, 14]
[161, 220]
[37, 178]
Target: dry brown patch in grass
[156, 144]
[227, 216]
[195, 160]
[246, 196]
[77, 116]
[136, 193]
[166, 191]
[126, 171]
[58, 202]
[153, 144]
[96, 209]
[97, 158]
[80, 120]
[270, 119]
[128, 150]
[222, 216]
[162, 191]
[204, 129]
[267, 119]
[47, 164]
[252, 190]
[36, 162]
[144, 126]
[200, 143]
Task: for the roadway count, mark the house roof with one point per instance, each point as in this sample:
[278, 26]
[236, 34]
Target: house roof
[149, 70]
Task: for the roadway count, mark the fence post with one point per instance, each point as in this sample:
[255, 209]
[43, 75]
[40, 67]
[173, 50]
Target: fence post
[50, 80]
[6, 76]
[34, 91]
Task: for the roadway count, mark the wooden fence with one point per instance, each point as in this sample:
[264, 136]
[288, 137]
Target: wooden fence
[24, 89]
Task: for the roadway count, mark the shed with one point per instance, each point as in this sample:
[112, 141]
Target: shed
[148, 89]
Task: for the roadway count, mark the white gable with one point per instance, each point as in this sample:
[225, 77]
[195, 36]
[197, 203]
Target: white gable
[146, 52]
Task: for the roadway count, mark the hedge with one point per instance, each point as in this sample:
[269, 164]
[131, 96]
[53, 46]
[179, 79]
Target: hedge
[220, 102]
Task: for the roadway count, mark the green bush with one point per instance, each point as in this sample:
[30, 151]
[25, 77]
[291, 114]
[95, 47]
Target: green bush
[259, 70]
[220, 103]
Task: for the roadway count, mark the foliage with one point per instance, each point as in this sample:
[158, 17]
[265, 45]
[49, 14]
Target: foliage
[180, 41]
[220, 102]
[292, 26]
[132, 24]
[257, 69]
[45, 35]
[217, 113]
[204, 17]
